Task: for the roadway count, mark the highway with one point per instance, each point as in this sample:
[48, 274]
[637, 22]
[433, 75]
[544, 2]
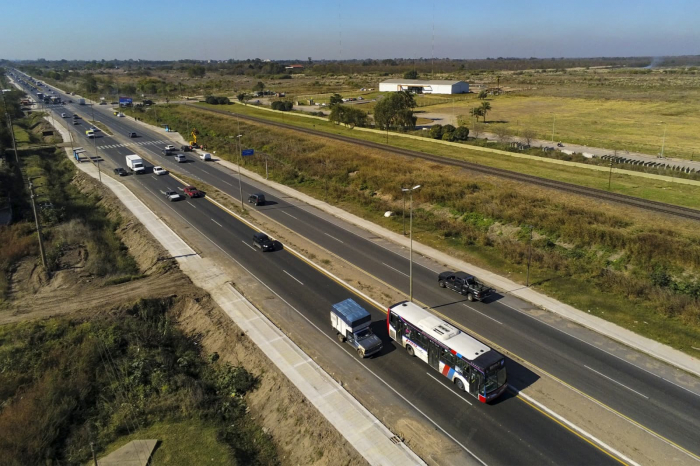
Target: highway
[670, 410]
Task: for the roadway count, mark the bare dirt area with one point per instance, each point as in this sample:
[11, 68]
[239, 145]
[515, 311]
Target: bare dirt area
[302, 435]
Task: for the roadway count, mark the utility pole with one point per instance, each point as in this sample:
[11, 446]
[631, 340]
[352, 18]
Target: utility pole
[38, 226]
[410, 228]
[610, 177]
[529, 258]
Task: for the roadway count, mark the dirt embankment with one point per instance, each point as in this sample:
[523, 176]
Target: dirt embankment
[302, 434]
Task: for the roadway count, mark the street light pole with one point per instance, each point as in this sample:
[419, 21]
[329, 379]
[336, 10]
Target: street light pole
[610, 177]
[663, 141]
[240, 184]
[529, 258]
[410, 228]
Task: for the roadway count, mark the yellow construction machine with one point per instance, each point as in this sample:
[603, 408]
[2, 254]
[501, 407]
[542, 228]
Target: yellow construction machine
[193, 142]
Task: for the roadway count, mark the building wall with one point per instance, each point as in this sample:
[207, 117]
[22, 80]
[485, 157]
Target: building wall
[458, 88]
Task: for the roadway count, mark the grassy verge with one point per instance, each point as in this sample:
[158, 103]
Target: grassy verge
[668, 192]
[66, 383]
[101, 126]
[638, 266]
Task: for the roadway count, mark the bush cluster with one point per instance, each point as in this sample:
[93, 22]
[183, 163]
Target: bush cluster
[282, 105]
[213, 100]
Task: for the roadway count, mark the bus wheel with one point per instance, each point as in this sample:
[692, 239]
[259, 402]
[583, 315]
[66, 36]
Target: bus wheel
[409, 350]
[341, 338]
[460, 384]
[470, 297]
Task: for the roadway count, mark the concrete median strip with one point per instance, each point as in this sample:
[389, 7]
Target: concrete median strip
[361, 429]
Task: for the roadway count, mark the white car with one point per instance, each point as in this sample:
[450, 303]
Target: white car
[159, 171]
[172, 195]
[169, 147]
[205, 156]
[63, 115]
[120, 114]
[179, 158]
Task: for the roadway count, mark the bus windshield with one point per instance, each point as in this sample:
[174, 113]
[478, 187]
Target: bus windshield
[494, 380]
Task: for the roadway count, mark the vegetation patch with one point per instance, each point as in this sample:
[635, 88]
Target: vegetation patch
[65, 383]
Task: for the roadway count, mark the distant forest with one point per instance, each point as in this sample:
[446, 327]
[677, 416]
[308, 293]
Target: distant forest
[384, 66]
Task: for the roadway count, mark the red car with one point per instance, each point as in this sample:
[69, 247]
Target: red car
[192, 191]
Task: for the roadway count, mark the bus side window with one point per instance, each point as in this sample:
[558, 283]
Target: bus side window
[447, 357]
[394, 321]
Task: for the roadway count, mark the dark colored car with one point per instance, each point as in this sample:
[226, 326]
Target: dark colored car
[169, 151]
[186, 148]
[257, 199]
[120, 171]
[262, 241]
[132, 134]
[76, 116]
[464, 284]
[191, 191]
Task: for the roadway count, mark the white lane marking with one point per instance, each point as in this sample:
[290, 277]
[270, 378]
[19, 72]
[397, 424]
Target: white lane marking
[293, 277]
[600, 349]
[396, 270]
[192, 204]
[331, 236]
[289, 214]
[251, 247]
[479, 312]
[573, 426]
[217, 222]
[613, 380]
[455, 394]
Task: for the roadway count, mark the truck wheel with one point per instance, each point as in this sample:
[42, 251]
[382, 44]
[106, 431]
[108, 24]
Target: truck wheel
[409, 350]
[361, 352]
[341, 338]
[442, 284]
[470, 297]
[460, 384]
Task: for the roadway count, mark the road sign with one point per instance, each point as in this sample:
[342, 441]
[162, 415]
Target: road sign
[125, 100]
[248, 152]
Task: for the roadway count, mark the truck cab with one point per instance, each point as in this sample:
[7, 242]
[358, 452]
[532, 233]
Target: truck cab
[352, 325]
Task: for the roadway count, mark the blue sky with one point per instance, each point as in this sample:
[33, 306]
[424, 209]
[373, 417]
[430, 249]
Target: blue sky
[276, 29]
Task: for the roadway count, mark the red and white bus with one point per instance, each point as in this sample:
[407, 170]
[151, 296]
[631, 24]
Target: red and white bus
[468, 363]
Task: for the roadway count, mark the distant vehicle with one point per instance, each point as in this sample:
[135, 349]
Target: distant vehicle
[464, 284]
[120, 171]
[121, 115]
[70, 101]
[180, 158]
[76, 116]
[63, 115]
[95, 129]
[159, 171]
[90, 133]
[168, 151]
[186, 148]
[191, 191]
[81, 101]
[172, 195]
[76, 122]
[256, 199]
[131, 134]
[135, 164]
[352, 325]
[205, 156]
[169, 147]
[262, 241]
[103, 103]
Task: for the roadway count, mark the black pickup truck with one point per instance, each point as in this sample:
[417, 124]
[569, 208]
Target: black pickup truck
[464, 284]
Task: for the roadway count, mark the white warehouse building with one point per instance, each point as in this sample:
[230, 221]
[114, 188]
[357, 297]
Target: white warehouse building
[418, 86]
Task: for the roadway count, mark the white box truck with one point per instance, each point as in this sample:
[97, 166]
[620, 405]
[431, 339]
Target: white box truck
[352, 324]
[135, 164]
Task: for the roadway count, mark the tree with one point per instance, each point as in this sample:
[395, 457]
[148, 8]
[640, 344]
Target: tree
[485, 108]
[482, 95]
[90, 83]
[282, 105]
[413, 74]
[476, 112]
[196, 71]
[436, 132]
[461, 133]
[502, 133]
[260, 86]
[349, 116]
[243, 97]
[528, 135]
[396, 109]
[477, 129]
[336, 99]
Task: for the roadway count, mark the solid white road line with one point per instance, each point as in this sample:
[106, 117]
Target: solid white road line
[615, 381]
[573, 426]
[396, 270]
[456, 394]
[485, 315]
[217, 222]
[292, 277]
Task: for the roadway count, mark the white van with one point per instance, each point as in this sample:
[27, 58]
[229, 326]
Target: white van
[205, 156]
[180, 158]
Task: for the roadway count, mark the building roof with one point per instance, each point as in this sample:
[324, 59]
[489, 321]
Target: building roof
[420, 82]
